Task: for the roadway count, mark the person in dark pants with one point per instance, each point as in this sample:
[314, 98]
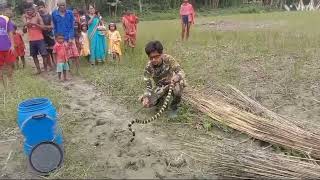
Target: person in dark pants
[47, 30]
[34, 25]
[187, 16]
[63, 23]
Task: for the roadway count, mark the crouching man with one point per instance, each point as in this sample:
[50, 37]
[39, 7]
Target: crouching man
[160, 71]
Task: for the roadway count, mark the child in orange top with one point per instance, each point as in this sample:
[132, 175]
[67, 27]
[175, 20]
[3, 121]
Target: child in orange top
[114, 41]
[19, 47]
[60, 55]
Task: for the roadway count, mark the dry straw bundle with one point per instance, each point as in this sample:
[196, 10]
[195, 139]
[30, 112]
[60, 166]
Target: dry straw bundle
[240, 161]
[275, 130]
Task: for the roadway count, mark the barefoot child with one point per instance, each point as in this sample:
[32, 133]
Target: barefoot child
[19, 47]
[84, 41]
[114, 41]
[34, 25]
[47, 30]
[60, 56]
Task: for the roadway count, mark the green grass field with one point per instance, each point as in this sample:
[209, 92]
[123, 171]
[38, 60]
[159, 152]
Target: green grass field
[272, 57]
[276, 65]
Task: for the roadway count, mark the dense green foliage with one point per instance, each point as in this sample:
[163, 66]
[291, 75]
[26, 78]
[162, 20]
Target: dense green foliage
[146, 7]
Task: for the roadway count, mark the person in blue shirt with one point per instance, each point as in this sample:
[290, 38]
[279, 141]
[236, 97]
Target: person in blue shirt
[63, 22]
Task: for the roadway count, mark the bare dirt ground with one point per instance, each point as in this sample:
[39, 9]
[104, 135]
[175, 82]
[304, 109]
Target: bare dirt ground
[97, 141]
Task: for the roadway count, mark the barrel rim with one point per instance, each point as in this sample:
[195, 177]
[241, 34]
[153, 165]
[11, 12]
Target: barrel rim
[34, 102]
[35, 107]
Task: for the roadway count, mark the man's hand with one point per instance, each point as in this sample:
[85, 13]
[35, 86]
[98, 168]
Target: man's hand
[176, 78]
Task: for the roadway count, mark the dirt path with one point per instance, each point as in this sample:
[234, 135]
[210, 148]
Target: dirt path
[97, 141]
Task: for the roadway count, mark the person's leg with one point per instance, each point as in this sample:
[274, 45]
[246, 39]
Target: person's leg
[23, 62]
[88, 58]
[159, 95]
[37, 64]
[177, 97]
[119, 58]
[45, 63]
[34, 54]
[59, 69]
[49, 62]
[17, 62]
[10, 60]
[1, 76]
[113, 55]
[59, 75]
[77, 64]
[64, 75]
[10, 67]
[2, 59]
[52, 59]
[188, 30]
[183, 31]
[42, 49]
[65, 70]
[73, 48]
[176, 94]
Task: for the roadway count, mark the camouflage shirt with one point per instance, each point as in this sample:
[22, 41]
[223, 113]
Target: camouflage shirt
[161, 75]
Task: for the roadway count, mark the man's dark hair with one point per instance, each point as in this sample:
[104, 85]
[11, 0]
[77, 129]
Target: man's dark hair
[41, 3]
[27, 6]
[59, 35]
[154, 46]
[4, 6]
[81, 12]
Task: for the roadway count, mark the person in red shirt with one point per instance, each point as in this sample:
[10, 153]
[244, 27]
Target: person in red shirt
[60, 55]
[187, 16]
[19, 47]
[34, 25]
[129, 23]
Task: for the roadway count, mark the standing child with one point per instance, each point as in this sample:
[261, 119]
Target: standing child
[60, 55]
[84, 41]
[77, 30]
[114, 41]
[47, 30]
[19, 47]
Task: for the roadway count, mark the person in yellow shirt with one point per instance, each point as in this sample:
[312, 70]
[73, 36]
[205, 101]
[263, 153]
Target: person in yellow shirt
[84, 41]
[114, 42]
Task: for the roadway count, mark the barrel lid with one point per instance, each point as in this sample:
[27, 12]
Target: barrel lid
[46, 157]
[33, 102]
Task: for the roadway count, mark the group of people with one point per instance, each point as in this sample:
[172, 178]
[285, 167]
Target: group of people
[65, 35]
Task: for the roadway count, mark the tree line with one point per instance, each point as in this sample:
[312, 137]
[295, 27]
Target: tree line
[141, 6]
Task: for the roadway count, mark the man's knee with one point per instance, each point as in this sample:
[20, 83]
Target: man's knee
[178, 89]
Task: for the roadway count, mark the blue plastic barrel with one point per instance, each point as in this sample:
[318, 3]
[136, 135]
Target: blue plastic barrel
[37, 120]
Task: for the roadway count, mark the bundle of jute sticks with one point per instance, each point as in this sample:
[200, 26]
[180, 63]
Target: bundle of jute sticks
[272, 128]
[229, 160]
